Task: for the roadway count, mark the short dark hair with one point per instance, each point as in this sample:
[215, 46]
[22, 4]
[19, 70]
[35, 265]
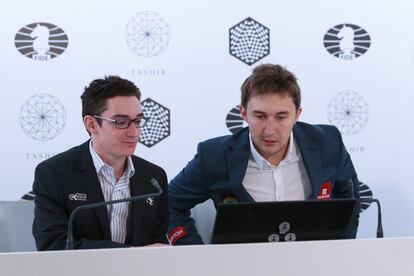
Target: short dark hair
[270, 78]
[95, 96]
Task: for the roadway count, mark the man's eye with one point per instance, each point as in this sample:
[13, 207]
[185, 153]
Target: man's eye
[121, 122]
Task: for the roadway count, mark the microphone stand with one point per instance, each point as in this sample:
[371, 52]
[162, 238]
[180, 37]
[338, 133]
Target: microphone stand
[69, 240]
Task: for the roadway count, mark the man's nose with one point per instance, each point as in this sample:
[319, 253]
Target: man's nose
[133, 130]
[270, 126]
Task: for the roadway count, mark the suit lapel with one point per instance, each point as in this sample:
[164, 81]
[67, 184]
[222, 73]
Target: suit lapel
[138, 187]
[309, 150]
[89, 180]
[237, 158]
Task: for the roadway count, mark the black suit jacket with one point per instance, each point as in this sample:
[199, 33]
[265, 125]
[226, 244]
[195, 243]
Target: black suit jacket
[73, 172]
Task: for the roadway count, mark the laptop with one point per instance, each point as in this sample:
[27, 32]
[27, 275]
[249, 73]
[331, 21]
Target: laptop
[284, 221]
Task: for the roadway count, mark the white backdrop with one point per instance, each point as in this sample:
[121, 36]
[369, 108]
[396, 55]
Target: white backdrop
[197, 79]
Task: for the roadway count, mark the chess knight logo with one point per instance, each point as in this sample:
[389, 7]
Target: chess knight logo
[347, 41]
[41, 41]
[234, 120]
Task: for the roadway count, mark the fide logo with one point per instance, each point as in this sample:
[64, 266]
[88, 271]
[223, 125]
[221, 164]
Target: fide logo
[249, 41]
[365, 192]
[41, 41]
[283, 234]
[42, 117]
[348, 111]
[158, 125]
[347, 41]
[147, 34]
[234, 120]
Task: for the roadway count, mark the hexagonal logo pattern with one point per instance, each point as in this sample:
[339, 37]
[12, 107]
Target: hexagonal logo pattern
[158, 125]
[249, 41]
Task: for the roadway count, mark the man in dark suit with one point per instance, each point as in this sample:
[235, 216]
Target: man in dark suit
[102, 169]
[275, 158]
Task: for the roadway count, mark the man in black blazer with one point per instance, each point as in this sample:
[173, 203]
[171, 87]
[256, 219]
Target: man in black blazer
[102, 169]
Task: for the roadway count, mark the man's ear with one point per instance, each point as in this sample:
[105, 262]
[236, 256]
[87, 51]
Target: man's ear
[298, 112]
[243, 113]
[90, 124]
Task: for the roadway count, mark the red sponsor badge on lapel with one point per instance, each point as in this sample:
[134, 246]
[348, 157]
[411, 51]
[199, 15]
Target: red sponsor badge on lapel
[325, 191]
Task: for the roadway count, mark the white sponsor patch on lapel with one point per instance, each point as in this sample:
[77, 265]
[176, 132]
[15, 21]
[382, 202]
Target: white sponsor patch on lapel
[78, 196]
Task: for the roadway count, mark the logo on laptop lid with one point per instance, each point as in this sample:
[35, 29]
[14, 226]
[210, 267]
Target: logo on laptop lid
[325, 191]
[284, 234]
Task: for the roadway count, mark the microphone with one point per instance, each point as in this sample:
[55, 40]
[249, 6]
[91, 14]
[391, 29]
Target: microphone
[380, 232]
[69, 240]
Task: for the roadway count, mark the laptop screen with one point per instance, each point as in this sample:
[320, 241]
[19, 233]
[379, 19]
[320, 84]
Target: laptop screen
[284, 221]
